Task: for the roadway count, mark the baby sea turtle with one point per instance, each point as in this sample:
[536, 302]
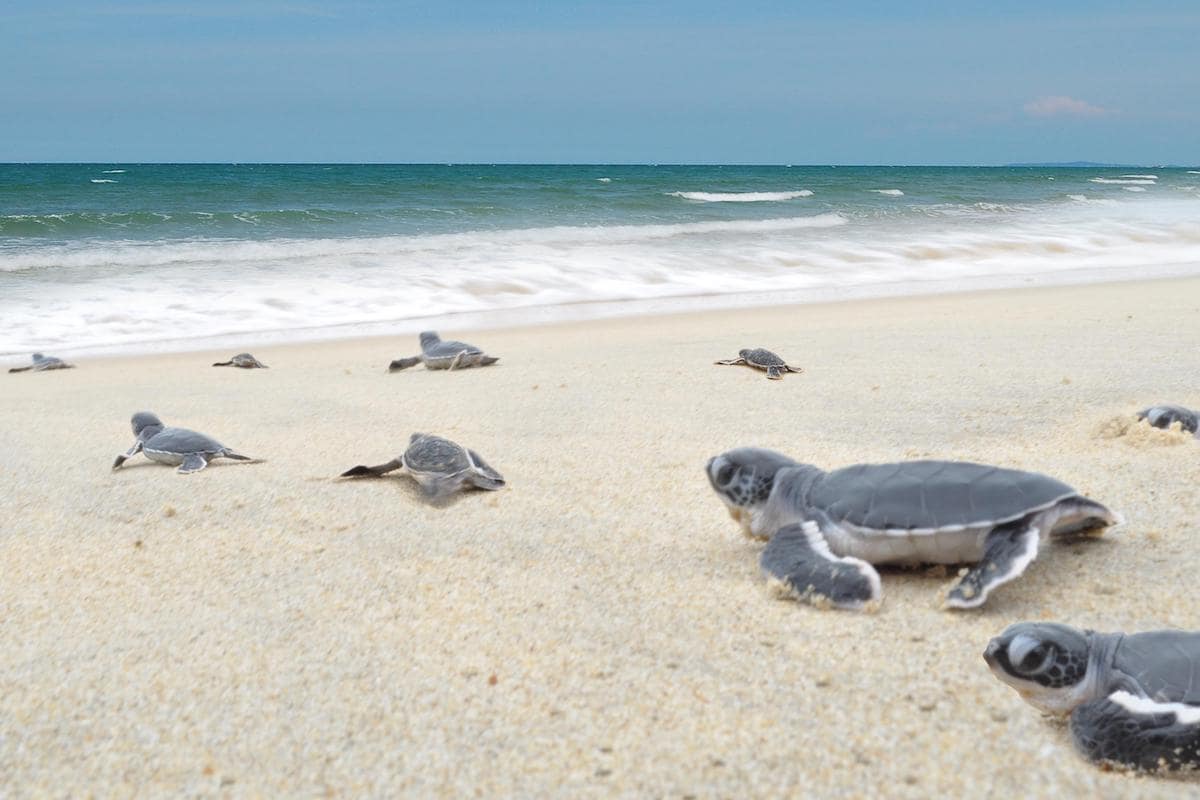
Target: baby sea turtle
[190, 450]
[444, 355]
[439, 465]
[762, 359]
[826, 529]
[1133, 699]
[243, 360]
[42, 363]
[1165, 416]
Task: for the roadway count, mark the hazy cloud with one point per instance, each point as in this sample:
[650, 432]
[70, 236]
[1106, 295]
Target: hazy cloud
[1060, 105]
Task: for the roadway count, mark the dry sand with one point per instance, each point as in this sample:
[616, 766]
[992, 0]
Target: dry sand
[600, 627]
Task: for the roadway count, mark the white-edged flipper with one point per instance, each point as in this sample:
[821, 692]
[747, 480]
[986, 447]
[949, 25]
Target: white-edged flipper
[1007, 551]
[1138, 732]
[128, 454]
[192, 462]
[731, 361]
[382, 469]
[774, 374]
[799, 558]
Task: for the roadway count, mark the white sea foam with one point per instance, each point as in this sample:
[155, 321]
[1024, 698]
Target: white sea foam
[103, 180]
[1134, 188]
[1143, 177]
[80, 294]
[1099, 201]
[889, 192]
[1121, 181]
[742, 197]
[111, 171]
[604, 180]
[1193, 172]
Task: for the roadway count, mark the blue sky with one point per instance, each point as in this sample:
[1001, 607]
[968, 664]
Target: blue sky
[617, 81]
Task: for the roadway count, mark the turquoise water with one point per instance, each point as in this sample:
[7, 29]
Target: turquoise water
[127, 255]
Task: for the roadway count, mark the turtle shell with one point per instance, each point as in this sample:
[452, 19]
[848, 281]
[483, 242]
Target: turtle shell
[182, 441]
[1164, 664]
[433, 454]
[450, 349]
[932, 495]
[762, 358]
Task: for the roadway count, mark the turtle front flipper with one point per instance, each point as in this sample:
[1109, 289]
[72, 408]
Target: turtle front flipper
[403, 363]
[21, 369]
[790, 368]
[1138, 732]
[799, 559]
[774, 373]
[222, 363]
[361, 470]
[731, 361]
[487, 361]
[192, 462]
[128, 454]
[1007, 550]
[227, 453]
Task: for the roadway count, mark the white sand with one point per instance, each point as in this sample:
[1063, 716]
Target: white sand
[599, 627]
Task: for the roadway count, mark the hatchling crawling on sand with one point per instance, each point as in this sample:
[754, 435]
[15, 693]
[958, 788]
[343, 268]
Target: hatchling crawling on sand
[826, 529]
[1165, 416]
[762, 359]
[439, 465]
[189, 450]
[243, 360]
[42, 363]
[1133, 699]
[437, 354]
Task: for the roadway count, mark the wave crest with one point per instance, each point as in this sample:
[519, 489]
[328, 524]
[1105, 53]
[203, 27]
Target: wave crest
[742, 197]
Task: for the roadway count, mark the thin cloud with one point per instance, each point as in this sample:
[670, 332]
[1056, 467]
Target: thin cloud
[1061, 105]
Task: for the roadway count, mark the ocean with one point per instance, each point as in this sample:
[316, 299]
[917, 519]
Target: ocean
[134, 257]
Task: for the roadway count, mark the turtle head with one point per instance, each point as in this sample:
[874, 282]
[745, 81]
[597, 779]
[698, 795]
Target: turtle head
[1045, 662]
[38, 357]
[145, 424]
[744, 352]
[743, 479]
[429, 338]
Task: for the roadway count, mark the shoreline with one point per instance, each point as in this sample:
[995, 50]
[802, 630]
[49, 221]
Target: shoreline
[585, 311]
[600, 626]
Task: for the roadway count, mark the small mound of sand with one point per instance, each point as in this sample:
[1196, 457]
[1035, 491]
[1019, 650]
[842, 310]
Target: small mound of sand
[1139, 433]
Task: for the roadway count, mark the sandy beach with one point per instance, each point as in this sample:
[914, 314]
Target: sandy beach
[600, 627]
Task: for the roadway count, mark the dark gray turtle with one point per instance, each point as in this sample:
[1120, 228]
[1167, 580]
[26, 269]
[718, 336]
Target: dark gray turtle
[1133, 699]
[190, 450]
[42, 363]
[437, 354]
[826, 529]
[439, 465]
[1165, 416]
[762, 359]
[243, 360]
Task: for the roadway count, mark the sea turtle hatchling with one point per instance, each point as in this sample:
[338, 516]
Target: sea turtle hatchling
[243, 360]
[439, 465]
[1133, 698]
[437, 354]
[42, 363]
[762, 359]
[1165, 416]
[189, 450]
[826, 529]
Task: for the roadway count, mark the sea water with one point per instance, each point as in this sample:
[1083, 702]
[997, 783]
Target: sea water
[107, 257]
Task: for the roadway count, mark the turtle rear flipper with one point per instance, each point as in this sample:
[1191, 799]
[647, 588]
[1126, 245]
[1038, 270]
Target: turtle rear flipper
[484, 477]
[1007, 550]
[487, 361]
[439, 486]
[1138, 732]
[403, 363]
[362, 470]
[798, 557]
[192, 462]
[790, 368]
[236, 456]
[774, 373]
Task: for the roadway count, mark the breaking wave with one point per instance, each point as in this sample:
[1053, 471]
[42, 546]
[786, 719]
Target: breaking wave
[742, 197]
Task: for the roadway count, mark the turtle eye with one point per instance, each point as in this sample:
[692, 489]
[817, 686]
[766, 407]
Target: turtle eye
[725, 474]
[1037, 660]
